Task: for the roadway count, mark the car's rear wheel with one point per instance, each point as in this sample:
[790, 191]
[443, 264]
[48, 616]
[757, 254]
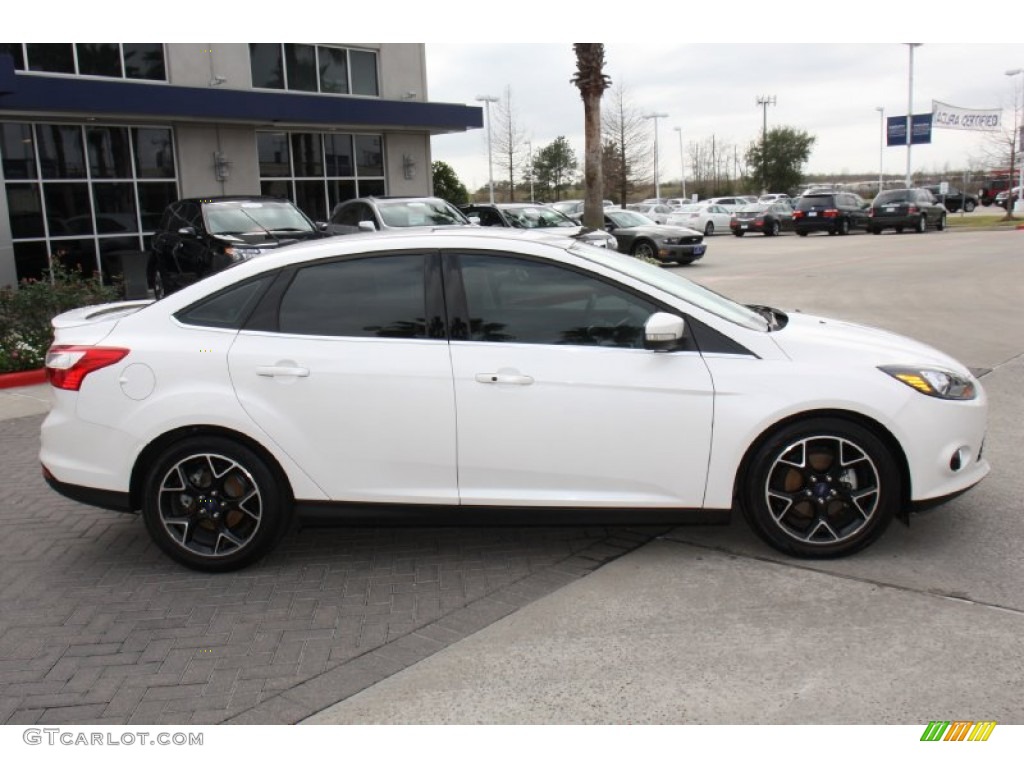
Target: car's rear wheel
[941, 225]
[644, 250]
[801, 232]
[969, 206]
[844, 226]
[773, 230]
[821, 488]
[213, 504]
[899, 228]
[739, 232]
[922, 224]
[709, 229]
[876, 230]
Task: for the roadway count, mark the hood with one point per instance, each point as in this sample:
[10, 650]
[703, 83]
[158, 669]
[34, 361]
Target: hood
[811, 339]
[264, 240]
[665, 230]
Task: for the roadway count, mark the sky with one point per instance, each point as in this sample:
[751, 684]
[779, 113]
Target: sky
[830, 90]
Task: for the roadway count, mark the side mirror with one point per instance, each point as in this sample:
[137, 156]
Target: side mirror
[187, 231]
[321, 225]
[367, 226]
[663, 332]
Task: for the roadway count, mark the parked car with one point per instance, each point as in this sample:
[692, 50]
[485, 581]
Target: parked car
[533, 216]
[1001, 198]
[954, 199]
[638, 236]
[656, 212]
[703, 218]
[837, 213]
[474, 371]
[766, 218]
[368, 214]
[574, 208]
[990, 189]
[200, 236]
[901, 209]
[729, 203]
[773, 197]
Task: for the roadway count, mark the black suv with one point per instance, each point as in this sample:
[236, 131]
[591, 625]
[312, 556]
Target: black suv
[901, 209]
[837, 213]
[954, 199]
[200, 236]
[368, 214]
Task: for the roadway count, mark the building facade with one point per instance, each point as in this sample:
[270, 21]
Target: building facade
[97, 138]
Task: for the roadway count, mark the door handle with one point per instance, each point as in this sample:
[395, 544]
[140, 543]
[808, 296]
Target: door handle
[504, 378]
[281, 370]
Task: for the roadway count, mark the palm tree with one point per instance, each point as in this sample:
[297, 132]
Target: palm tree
[592, 82]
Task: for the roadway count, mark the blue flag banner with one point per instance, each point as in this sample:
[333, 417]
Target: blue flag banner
[896, 130]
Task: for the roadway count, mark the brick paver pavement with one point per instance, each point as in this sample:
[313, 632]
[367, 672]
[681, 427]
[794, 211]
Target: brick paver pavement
[98, 627]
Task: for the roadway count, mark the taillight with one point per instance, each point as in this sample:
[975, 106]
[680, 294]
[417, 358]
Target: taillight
[759, 220]
[67, 365]
[798, 214]
[831, 213]
[911, 209]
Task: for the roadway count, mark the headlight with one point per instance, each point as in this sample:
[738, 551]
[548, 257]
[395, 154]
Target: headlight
[935, 382]
[241, 254]
[672, 240]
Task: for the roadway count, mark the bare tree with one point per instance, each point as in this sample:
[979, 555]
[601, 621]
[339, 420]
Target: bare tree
[592, 82]
[627, 140]
[509, 141]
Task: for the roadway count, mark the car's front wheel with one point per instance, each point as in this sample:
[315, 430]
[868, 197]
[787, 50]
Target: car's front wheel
[739, 232]
[773, 230]
[645, 250]
[969, 206]
[213, 504]
[821, 488]
[922, 225]
[709, 229]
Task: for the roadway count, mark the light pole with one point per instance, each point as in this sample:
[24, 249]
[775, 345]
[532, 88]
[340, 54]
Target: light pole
[881, 146]
[910, 106]
[529, 149]
[488, 100]
[682, 163]
[1018, 206]
[764, 102]
[654, 116]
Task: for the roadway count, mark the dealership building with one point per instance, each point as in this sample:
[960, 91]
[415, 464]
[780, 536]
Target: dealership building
[97, 138]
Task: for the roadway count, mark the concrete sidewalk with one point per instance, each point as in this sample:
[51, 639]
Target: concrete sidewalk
[24, 401]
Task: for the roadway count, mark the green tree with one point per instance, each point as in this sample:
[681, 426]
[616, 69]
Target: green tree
[556, 166]
[782, 155]
[592, 82]
[447, 185]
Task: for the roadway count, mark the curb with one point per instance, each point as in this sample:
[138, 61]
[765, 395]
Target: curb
[22, 378]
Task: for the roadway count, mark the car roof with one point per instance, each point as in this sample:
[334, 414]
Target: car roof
[235, 199]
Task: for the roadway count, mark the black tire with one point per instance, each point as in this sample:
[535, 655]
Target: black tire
[644, 249]
[899, 228]
[922, 224]
[821, 488]
[801, 232]
[941, 225]
[773, 230]
[844, 226]
[709, 229]
[214, 505]
[159, 284]
[969, 206]
[876, 230]
[739, 232]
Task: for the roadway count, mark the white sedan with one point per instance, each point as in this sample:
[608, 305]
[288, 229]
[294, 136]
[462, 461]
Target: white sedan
[494, 372]
[708, 219]
[656, 212]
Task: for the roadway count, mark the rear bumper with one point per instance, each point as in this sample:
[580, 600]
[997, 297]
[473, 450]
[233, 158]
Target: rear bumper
[95, 497]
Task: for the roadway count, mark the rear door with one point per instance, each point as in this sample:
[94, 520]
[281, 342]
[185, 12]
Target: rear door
[345, 365]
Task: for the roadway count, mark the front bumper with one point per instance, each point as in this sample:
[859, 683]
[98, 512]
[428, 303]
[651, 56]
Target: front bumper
[685, 252]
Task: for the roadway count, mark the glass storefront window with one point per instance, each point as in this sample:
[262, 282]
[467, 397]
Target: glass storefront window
[369, 155]
[109, 153]
[115, 208]
[364, 73]
[338, 154]
[51, 57]
[26, 211]
[275, 159]
[154, 153]
[100, 59]
[61, 154]
[301, 63]
[267, 65]
[309, 159]
[144, 61]
[320, 68]
[18, 149]
[333, 70]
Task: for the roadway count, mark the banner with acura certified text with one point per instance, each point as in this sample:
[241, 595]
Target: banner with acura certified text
[959, 118]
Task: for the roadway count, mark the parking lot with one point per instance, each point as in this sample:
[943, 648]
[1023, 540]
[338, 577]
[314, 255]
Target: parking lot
[603, 625]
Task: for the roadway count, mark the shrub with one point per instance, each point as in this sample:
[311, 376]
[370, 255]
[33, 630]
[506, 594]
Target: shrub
[26, 312]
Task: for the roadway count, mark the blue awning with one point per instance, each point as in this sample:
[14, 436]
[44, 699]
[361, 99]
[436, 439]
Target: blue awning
[22, 93]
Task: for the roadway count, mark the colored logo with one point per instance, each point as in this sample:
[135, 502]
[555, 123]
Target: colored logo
[958, 730]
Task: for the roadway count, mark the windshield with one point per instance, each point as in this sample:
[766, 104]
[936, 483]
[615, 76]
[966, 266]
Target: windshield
[244, 217]
[673, 284]
[420, 213]
[535, 217]
[628, 219]
[893, 196]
